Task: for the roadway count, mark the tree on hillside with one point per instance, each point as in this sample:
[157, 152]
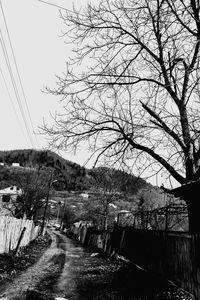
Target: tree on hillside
[106, 191]
[134, 96]
[34, 186]
[123, 182]
[68, 216]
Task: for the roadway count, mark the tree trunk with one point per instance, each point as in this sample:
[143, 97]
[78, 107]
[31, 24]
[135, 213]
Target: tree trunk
[193, 206]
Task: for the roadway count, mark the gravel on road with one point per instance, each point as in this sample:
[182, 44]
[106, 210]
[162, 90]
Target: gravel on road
[66, 270]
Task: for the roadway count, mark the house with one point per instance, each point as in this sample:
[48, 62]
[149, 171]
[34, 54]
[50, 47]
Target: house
[15, 164]
[124, 218]
[9, 200]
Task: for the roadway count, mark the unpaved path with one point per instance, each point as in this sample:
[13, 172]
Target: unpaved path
[50, 265]
[68, 271]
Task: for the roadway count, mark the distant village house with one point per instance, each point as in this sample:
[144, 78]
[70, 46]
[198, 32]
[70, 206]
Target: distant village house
[10, 200]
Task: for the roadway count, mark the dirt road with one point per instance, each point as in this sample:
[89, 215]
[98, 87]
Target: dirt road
[46, 275]
[67, 271]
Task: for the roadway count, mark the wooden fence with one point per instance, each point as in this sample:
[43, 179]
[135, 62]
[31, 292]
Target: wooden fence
[173, 255]
[10, 231]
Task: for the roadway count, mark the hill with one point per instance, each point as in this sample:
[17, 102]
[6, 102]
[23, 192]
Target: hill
[66, 172]
[82, 192]
[71, 176]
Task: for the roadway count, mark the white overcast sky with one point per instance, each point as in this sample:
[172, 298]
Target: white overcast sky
[35, 30]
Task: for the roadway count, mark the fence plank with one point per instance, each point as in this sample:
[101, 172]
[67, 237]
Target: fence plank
[175, 255]
[10, 230]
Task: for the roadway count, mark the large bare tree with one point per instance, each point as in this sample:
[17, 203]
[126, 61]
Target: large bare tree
[131, 88]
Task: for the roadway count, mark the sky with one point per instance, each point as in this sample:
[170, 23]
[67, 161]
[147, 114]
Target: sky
[30, 31]
[34, 29]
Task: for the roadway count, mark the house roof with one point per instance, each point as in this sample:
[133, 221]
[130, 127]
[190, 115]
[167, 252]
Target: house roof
[186, 189]
[12, 190]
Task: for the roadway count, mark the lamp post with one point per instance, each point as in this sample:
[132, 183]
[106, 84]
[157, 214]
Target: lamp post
[58, 213]
[47, 200]
[63, 216]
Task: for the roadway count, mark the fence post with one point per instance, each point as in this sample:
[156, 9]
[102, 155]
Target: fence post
[19, 241]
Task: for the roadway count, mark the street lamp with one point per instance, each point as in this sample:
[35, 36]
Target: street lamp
[47, 200]
[58, 213]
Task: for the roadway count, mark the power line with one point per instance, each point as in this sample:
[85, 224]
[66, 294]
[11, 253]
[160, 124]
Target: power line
[58, 6]
[12, 103]
[17, 69]
[55, 5]
[14, 86]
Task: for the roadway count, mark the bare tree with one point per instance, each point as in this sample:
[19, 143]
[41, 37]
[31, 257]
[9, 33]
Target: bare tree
[131, 89]
[34, 186]
[106, 192]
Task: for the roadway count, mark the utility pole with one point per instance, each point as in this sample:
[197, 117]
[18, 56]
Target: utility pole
[63, 216]
[47, 201]
[58, 212]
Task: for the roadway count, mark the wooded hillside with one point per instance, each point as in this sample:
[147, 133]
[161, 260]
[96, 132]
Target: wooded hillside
[67, 173]
[70, 176]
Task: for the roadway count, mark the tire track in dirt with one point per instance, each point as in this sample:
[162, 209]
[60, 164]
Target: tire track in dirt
[49, 265]
[64, 284]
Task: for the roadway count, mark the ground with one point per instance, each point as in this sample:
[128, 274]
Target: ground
[12, 265]
[67, 270]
